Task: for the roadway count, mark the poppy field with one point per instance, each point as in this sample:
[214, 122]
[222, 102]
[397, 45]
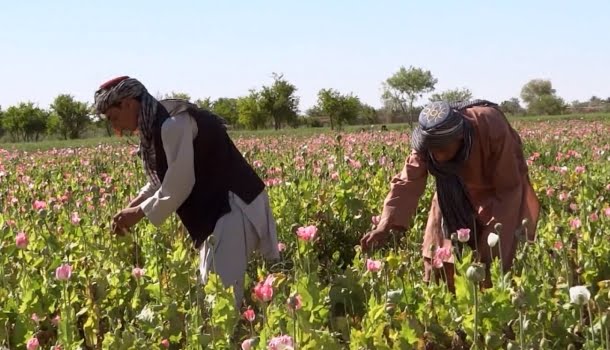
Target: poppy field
[66, 282]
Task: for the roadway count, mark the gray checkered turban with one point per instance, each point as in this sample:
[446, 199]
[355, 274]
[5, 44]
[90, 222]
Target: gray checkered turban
[114, 91]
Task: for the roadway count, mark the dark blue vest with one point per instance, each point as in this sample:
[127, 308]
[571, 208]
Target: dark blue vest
[219, 168]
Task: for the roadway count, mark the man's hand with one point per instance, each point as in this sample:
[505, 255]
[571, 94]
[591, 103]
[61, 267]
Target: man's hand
[136, 201]
[374, 239]
[126, 218]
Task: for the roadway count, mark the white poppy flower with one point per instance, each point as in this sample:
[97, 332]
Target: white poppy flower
[492, 239]
[579, 295]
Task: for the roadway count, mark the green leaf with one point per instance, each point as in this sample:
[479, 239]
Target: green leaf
[82, 311]
[153, 289]
[90, 330]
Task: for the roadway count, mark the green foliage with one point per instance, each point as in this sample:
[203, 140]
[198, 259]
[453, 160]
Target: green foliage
[205, 103]
[539, 95]
[595, 104]
[278, 107]
[69, 118]
[226, 108]
[251, 116]
[403, 88]
[547, 105]
[222, 312]
[512, 107]
[340, 109]
[335, 181]
[178, 95]
[368, 114]
[25, 122]
[280, 102]
[454, 95]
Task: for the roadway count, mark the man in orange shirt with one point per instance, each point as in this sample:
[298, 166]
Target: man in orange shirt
[481, 178]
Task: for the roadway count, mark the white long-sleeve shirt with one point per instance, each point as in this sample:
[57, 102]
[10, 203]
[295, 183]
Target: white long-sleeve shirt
[177, 134]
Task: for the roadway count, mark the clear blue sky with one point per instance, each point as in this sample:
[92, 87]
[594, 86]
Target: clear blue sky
[223, 48]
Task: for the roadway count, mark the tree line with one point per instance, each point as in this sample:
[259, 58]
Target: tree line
[276, 105]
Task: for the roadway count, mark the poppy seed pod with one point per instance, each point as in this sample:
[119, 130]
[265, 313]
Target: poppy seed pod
[518, 299]
[475, 273]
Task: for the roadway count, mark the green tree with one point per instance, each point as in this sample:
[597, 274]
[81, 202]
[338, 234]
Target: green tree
[206, 103]
[25, 122]
[279, 102]
[250, 114]
[178, 95]
[547, 105]
[402, 89]
[351, 109]
[541, 99]
[312, 117]
[453, 95]
[314, 112]
[227, 108]
[70, 117]
[340, 109]
[595, 101]
[99, 122]
[368, 114]
[512, 107]
[595, 104]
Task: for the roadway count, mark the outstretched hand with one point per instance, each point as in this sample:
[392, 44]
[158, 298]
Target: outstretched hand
[125, 219]
[374, 239]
